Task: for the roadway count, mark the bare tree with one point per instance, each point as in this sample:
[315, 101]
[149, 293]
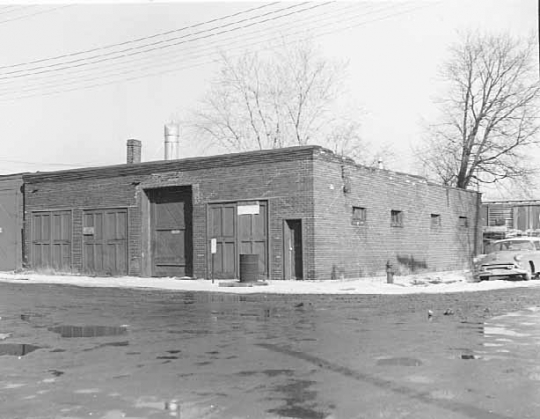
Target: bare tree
[278, 99]
[489, 117]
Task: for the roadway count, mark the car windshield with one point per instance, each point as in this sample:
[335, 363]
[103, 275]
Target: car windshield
[513, 245]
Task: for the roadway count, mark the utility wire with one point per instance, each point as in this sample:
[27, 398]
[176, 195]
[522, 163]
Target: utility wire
[157, 45]
[47, 164]
[33, 14]
[12, 9]
[74, 54]
[206, 62]
[209, 47]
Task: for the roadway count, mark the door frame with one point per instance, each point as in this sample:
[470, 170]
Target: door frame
[29, 255]
[128, 225]
[303, 247]
[268, 255]
[145, 210]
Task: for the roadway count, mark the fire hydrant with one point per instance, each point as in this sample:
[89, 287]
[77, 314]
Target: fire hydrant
[389, 273]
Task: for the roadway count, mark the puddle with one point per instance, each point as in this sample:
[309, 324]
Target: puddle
[503, 331]
[469, 356]
[67, 331]
[402, 362]
[115, 344]
[298, 400]
[17, 349]
[56, 373]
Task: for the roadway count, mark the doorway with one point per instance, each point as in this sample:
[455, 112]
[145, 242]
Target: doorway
[292, 251]
[171, 231]
[239, 228]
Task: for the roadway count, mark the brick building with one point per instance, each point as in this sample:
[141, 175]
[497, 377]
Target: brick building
[306, 212]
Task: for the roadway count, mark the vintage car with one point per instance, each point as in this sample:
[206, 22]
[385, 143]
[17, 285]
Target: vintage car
[517, 257]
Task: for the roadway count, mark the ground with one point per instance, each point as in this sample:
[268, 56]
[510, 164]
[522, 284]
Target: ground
[126, 352]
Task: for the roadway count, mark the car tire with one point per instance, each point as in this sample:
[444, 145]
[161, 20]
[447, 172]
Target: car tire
[530, 273]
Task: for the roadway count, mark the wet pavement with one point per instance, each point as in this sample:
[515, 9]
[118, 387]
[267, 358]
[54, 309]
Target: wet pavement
[69, 352]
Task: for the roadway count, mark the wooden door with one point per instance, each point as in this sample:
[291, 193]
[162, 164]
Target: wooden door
[105, 242]
[252, 233]
[51, 240]
[171, 221]
[222, 227]
[9, 229]
[239, 228]
[292, 252]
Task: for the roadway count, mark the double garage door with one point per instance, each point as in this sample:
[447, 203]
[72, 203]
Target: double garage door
[104, 241]
[238, 228]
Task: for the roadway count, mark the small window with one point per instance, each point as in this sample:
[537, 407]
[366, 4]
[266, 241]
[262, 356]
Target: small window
[359, 215]
[435, 220]
[463, 222]
[396, 218]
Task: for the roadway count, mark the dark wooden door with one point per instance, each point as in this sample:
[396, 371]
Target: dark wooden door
[105, 242]
[293, 261]
[51, 240]
[171, 232]
[222, 227]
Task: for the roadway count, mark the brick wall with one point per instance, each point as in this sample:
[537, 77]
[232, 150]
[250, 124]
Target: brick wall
[281, 178]
[344, 249]
[307, 183]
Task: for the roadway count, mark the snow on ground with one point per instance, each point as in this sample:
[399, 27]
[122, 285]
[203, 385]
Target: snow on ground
[435, 282]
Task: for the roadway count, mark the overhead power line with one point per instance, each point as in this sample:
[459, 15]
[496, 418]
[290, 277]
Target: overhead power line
[154, 46]
[193, 58]
[210, 47]
[133, 41]
[27, 15]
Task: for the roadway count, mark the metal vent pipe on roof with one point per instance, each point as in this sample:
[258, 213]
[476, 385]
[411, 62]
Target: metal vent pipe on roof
[172, 135]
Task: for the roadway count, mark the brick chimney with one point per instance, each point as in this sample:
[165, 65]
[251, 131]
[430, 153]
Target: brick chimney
[133, 151]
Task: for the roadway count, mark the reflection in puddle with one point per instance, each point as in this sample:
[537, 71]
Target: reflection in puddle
[503, 333]
[67, 331]
[115, 344]
[469, 356]
[17, 349]
[402, 362]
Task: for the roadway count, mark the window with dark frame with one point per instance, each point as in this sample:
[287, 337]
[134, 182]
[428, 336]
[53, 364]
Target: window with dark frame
[396, 218]
[359, 215]
[435, 220]
[463, 222]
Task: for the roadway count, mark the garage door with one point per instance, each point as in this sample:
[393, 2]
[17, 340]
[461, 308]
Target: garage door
[105, 242]
[51, 240]
[171, 224]
[238, 228]
[9, 229]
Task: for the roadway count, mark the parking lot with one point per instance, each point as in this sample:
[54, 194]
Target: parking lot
[72, 352]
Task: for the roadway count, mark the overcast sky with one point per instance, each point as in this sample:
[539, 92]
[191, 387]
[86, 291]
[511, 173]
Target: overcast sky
[70, 96]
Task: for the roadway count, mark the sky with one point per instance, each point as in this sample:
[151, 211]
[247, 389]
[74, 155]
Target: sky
[76, 81]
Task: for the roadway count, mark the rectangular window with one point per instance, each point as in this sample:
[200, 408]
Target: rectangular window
[463, 222]
[435, 220]
[359, 215]
[396, 218]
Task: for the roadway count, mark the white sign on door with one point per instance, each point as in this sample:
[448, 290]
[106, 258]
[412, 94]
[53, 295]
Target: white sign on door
[248, 209]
